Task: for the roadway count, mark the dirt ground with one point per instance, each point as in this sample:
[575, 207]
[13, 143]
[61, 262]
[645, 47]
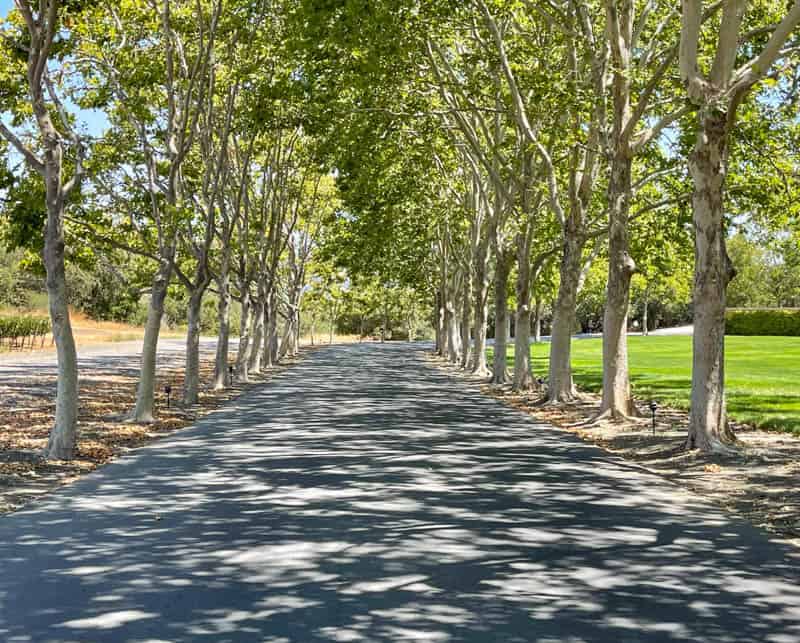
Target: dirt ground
[107, 393]
[761, 482]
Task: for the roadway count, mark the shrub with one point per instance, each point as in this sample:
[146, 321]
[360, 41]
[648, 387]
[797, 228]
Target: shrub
[17, 329]
[763, 321]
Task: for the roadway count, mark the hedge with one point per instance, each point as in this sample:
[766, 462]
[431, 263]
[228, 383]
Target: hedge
[763, 321]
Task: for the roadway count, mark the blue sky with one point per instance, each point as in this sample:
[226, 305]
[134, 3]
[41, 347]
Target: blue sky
[93, 122]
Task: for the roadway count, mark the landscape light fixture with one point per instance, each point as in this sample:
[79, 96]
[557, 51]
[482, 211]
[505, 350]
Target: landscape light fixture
[230, 374]
[168, 391]
[653, 409]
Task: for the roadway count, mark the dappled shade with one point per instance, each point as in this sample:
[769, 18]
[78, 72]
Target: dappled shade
[364, 496]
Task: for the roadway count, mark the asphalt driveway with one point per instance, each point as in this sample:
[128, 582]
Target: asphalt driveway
[364, 496]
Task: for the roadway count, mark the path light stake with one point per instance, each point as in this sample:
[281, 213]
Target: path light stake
[653, 408]
[230, 374]
[168, 390]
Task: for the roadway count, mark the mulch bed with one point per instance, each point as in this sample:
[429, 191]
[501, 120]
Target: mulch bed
[106, 396]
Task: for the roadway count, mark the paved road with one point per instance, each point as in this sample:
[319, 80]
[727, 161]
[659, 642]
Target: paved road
[363, 496]
[169, 348]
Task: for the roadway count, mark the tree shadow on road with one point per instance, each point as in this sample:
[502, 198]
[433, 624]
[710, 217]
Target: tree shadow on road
[362, 496]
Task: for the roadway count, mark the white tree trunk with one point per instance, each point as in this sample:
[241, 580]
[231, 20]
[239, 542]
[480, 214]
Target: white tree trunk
[451, 328]
[289, 343]
[617, 402]
[502, 269]
[438, 323]
[481, 311]
[221, 377]
[254, 363]
[145, 392]
[523, 373]
[191, 376]
[466, 323]
[537, 321]
[63, 436]
[296, 346]
[274, 340]
[269, 321]
[708, 425]
[560, 387]
[245, 344]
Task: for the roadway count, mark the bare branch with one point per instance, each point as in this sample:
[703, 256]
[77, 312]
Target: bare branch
[30, 157]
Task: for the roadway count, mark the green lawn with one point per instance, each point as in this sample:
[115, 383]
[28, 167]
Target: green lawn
[762, 374]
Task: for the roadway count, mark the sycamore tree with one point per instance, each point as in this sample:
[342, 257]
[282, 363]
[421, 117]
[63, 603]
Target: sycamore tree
[719, 67]
[35, 49]
[149, 66]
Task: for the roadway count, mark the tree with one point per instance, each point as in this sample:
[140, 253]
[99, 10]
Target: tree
[42, 29]
[733, 70]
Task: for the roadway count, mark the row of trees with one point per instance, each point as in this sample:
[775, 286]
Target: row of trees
[487, 153]
[205, 175]
[490, 140]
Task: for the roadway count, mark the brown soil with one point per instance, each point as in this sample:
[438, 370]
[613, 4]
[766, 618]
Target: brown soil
[761, 482]
[106, 396]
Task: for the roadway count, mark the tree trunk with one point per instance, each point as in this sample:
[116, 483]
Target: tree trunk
[481, 311]
[451, 328]
[266, 339]
[254, 365]
[466, 314]
[437, 322]
[221, 377]
[708, 426]
[289, 344]
[537, 321]
[272, 327]
[243, 353]
[386, 319]
[191, 376]
[502, 269]
[333, 325]
[560, 386]
[617, 402]
[645, 322]
[523, 373]
[296, 346]
[145, 392]
[441, 320]
[63, 436]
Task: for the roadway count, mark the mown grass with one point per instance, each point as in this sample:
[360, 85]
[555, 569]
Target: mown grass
[762, 374]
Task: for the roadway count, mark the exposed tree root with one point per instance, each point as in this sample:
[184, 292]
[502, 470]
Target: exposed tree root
[561, 399]
[503, 377]
[131, 418]
[482, 371]
[712, 445]
[616, 416]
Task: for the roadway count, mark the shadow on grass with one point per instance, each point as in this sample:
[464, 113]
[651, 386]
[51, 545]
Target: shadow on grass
[364, 497]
